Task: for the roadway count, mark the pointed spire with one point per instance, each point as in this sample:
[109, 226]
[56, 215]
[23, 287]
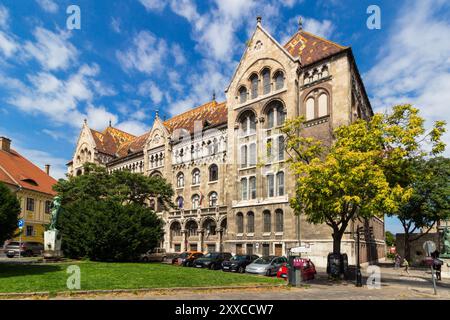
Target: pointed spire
[85, 121]
[300, 24]
[110, 123]
[258, 20]
[157, 114]
[214, 96]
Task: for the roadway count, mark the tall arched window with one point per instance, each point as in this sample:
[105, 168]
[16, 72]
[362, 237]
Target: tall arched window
[180, 180]
[275, 114]
[252, 187]
[213, 199]
[280, 148]
[240, 222]
[180, 202]
[244, 192]
[323, 105]
[244, 156]
[175, 229]
[195, 201]
[247, 124]
[279, 80]
[279, 221]
[192, 228]
[242, 94]
[213, 172]
[196, 176]
[267, 221]
[266, 80]
[310, 109]
[254, 85]
[280, 183]
[250, 222]
[270, 185]
[252, 154]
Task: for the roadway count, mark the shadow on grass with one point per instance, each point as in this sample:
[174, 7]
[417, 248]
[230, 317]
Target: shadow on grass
[17, 270]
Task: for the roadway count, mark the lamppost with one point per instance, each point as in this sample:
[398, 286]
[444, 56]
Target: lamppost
[358, 266]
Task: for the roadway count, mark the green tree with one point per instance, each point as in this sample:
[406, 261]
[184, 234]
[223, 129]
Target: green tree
[9, 213]
[429, 201]
[105, 216]
[389, 238]
[342, 182]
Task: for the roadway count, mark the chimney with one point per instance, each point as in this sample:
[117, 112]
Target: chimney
[5, 144]
[47, 169]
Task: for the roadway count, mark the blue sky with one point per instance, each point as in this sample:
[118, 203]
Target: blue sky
[133, 57]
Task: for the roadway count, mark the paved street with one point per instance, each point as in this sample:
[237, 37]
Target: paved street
[396, 285]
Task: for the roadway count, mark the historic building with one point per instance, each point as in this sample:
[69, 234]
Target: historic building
[227, 161]
[33, 188]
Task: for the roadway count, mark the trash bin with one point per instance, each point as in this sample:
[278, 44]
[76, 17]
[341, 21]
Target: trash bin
[334, 263]
[294, 271]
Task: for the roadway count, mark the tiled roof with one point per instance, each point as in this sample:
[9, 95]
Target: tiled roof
[212, 112]
[311, 48]
[111, 140]
[17, 170]
[133, 146]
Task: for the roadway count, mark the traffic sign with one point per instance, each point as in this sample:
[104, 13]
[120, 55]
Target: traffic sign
[20, 224]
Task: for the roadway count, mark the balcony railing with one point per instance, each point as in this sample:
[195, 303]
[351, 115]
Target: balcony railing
[203, 211]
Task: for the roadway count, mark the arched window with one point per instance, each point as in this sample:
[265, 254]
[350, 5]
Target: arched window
[279, 221]
[279, 80]
[195, 201]
[196, 176]
[280, 148]
[244, 156]
[275, 114]
[192, 228]
[210, 227]
[175, 229]
[270, 186]
[240, 222]
[323, 105]
[254, 85]
[180, 202]
[252, 154]
[244, 192]
[248, 124]
[250, 222]
[252, 187]
[280, 183]
[310, 109]
[266, 81]
[180, 180]
[213, 199]
[242, 94]
[267, 221]
[213, 172]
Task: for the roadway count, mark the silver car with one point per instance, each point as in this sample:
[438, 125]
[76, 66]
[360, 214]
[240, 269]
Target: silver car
[266, 265]
[26, 249]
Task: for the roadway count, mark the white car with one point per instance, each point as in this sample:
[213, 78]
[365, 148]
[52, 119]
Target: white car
[266, 265]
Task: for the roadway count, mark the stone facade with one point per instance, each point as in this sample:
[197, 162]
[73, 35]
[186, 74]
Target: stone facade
[227, 161]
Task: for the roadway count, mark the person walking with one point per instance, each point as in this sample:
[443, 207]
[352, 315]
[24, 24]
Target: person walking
[437, 263]
[406, 265]
[397, 261]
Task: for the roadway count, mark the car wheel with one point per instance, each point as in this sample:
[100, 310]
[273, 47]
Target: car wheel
[9, 256]
[29, 253]
[212, 266]
[241, 269]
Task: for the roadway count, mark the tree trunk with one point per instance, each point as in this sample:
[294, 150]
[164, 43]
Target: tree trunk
[337, 237]
[407, 248]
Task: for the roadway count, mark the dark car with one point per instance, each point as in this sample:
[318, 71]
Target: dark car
[238, 263]
[26, 249]
[212, 260]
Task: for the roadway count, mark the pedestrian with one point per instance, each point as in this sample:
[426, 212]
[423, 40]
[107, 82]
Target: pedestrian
[397, 261]
[406, 265]
[437, 263]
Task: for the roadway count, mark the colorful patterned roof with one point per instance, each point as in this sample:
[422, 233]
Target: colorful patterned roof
[111, 139]
[17, 170]
[311, 48]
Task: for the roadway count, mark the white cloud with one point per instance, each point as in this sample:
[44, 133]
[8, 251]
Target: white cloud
[178, 54]
[48, 5]
[4, 17]
[134, 127]
[8, 46]
[145, 55]
[151, 5]
[414, 65]
[149, 89]
[322, 28]
[115, 25]
[98, 117]
[52, 50]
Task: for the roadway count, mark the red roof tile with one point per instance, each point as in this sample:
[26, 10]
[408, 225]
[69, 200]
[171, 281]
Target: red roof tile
[17, 170]
[311, 48]
[111, 139]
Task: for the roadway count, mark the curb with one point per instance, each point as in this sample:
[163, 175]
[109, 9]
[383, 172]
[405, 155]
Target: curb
[149, 290]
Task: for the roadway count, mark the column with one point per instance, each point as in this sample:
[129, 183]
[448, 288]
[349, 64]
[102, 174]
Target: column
[219, 240]
[200, 240]
[183, 240]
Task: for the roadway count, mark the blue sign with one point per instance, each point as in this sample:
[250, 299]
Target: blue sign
[20, 223]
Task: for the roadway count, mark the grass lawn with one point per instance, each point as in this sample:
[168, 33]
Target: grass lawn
[103, 275]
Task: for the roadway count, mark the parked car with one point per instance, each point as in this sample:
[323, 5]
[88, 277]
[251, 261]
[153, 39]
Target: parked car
[212, 260]
[238, 263]
[187, 258]
[26, 249]
[266, 265]
[306, 265]
[157, 254]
